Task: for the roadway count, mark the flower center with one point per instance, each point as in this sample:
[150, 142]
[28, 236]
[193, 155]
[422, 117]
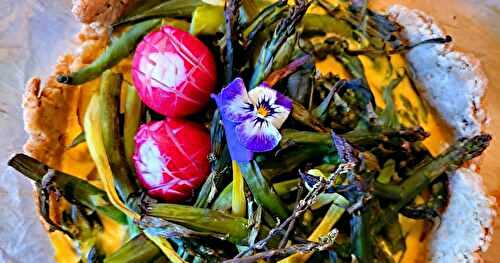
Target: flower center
[263, 111]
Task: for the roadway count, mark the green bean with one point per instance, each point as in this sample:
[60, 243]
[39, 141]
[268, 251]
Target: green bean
[74, 189]
[171, 8]
[137, 250]
[133, 112]
[114, 53]
[109, 99]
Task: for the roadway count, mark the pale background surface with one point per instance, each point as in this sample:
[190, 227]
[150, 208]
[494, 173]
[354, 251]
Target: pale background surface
[33, 33]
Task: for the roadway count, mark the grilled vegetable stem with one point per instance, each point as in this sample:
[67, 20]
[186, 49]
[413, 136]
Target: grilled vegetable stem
[453, 158]
[425, 174]
[75, 190]
[202, 219]
[93, 135]
[109, 100]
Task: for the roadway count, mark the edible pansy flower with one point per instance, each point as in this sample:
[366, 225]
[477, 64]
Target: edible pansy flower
[257, 114]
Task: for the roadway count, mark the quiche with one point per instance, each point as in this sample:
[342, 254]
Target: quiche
[446, 84]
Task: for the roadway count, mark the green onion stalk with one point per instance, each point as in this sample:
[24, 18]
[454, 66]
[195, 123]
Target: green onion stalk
[202, 219]
[74, 189]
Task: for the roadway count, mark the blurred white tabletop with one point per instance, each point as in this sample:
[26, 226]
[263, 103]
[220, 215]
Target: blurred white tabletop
[33, 33]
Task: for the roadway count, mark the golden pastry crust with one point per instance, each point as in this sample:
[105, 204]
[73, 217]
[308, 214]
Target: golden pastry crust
[45, 113]
[102, 11]
[51, 113]
[49, 108]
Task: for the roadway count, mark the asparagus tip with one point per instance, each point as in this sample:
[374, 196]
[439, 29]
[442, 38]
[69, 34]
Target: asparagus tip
[477, 144]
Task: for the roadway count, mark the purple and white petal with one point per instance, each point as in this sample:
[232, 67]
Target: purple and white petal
[235, 104]
[237, 151]
[278, 105]
[258, 135]
[262, 93]
[281, 109]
